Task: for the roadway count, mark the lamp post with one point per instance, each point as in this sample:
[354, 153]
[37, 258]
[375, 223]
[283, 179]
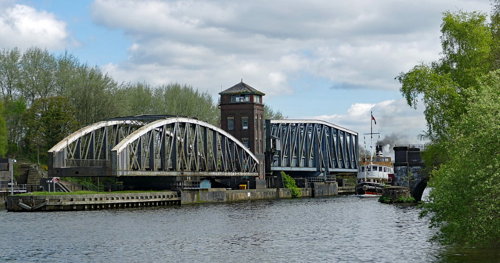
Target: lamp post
[11, 169]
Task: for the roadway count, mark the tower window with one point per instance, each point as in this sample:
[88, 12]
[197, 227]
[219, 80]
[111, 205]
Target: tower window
[257, 98]
[230, 123]
[244, 123]
[240, 98]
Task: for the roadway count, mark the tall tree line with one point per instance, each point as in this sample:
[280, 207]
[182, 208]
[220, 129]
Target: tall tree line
[461, 96]
[46, 97]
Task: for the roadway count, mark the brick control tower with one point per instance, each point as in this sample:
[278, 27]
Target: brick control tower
[242, 115]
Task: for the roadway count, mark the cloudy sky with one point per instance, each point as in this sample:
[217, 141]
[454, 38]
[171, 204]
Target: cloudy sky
[333, 60]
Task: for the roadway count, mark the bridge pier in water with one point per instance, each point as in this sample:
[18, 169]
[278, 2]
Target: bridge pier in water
[409, 170]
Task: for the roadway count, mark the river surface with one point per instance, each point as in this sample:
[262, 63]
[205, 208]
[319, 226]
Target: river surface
[338, 229]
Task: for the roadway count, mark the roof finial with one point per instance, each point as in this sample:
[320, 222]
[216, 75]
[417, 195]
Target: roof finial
[241, 80]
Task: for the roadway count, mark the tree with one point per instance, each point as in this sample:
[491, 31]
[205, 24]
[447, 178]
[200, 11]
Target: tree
[3, 132]
[37, 74]
[9, 73]
[172, 99]
[184, 100]
[270, 114]
[14, 112]
[466, 43]
[136, 99]
[48, 121]
[92, 95]
[461, 99]
[464, 200]
[495, 31]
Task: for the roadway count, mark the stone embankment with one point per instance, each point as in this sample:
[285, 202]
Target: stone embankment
[396, 194]
[27, 203]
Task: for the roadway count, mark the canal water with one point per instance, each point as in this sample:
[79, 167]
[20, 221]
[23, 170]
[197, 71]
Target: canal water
[338, 229]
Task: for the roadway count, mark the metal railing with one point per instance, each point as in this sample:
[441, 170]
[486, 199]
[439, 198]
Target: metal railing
[16, 188]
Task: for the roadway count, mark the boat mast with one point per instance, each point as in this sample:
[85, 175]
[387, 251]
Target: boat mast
[371, 145]
[371, 137]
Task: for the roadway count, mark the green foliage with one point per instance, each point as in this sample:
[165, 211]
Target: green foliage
[92, 95]
[3, 133]
[14, 113]
[460, 93]
[47, 122]
[172, 99]
[466, 43]
[289, 183]
[9, 73]
[404, 199]
[36, 74]
[270, 114]
[466, 188]
[137, 99]
[30, 79]
[400, 200]
[87, 182]
[495, 31]
[183, 100]
[439, 94]
[385, 199]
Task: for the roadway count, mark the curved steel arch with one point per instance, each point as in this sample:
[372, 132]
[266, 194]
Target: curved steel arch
[84, 131]
[182, 146]
[90, 145]
[312, 146]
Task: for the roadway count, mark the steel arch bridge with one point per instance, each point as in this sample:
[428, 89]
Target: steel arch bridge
[311, 146]
[152, 146]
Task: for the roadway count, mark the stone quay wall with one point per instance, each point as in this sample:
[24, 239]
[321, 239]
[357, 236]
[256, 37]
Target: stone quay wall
[221, 195]
[30, 203]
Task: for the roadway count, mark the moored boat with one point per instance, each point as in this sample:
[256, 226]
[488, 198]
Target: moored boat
[375, 172]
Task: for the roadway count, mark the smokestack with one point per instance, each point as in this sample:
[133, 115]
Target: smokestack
[379, 150]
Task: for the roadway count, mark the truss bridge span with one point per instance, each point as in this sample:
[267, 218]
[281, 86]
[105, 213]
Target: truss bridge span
[310, 147]
[161, 146]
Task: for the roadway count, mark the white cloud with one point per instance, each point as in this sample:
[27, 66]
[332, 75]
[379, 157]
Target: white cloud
[352, 44]
[23, 27]
[392, 117]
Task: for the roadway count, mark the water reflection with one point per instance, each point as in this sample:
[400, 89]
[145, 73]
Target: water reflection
[340, 229]
[469, 255]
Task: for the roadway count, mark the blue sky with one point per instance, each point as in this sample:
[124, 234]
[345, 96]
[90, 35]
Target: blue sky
[324, 59]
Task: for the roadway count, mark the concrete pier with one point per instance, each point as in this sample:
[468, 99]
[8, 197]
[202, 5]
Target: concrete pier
[32, 203]
[221, 195]
[18, 203]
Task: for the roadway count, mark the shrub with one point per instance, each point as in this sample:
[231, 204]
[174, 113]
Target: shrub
[289, 183]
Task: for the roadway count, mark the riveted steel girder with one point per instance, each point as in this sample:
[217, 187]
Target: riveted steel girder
[312, 146]
[170, 146]
[182, 146]
[90, 146]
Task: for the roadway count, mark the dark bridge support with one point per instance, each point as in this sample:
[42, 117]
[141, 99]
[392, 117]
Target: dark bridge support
[409, 170]
[418, 189]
